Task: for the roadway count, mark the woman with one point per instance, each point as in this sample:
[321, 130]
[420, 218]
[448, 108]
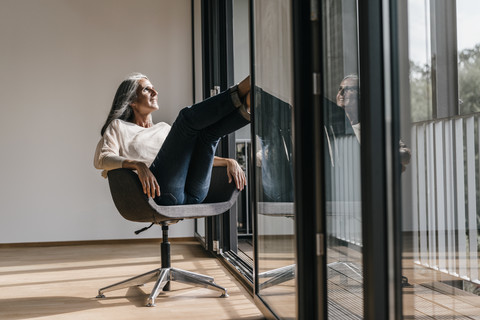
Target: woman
[174, 164]
[348, 99]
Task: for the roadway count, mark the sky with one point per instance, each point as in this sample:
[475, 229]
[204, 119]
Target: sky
[468, 17]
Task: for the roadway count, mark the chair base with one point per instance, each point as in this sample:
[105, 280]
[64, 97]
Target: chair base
[162, 278]
[277, 276]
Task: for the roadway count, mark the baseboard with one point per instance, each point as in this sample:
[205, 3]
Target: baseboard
[92, 242]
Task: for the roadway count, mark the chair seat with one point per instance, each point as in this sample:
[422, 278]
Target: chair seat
[277, 209]
[133, 204]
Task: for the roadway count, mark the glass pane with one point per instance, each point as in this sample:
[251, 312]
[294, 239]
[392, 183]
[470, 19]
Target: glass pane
[197, 36]
[468, 40]
[273, 156]
[342, 160]
[440, 189]
[241, 68]
[420, 61]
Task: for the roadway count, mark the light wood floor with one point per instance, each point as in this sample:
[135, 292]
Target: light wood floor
[426, 296]
[61, 283]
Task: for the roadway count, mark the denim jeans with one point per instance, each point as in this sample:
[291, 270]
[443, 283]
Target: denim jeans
[183, 166]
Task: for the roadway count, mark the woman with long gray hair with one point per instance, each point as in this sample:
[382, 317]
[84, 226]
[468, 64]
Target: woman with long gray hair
[174, 164]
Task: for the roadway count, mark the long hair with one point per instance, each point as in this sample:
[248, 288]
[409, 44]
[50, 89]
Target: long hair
[125, 95]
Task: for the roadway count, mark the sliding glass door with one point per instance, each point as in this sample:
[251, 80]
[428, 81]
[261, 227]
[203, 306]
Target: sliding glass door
[440, 130]
[241, 69]
[342, 178]
[273, 157]
[213, 68]
[225, 60]
[325, 152]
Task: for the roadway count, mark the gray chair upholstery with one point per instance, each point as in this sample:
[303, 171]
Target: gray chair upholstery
[134, 205]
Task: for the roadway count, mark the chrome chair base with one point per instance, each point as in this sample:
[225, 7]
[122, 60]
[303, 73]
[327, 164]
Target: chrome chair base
[283, 274]
[162, 276]
[277, 276]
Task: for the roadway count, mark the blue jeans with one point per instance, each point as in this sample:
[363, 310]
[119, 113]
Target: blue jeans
[183, 166]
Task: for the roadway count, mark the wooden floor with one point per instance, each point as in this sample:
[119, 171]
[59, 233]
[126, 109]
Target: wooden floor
[428, 294]
[345, 283]
[61, 283]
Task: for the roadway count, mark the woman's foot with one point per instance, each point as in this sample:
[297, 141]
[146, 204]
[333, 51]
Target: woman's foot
[244, 109]
[244, 87]
[241, 97]
[246, 102]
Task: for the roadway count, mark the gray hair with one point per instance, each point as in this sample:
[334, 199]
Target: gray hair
[125, 95]
[352, 76]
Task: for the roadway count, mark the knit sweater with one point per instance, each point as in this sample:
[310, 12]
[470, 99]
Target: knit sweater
[124, 140]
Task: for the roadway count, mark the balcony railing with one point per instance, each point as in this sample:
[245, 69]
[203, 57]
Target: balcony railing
[344, 210]
[445, 171]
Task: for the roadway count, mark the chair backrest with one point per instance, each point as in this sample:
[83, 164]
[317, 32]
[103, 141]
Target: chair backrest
[220, 190]
[133, 204]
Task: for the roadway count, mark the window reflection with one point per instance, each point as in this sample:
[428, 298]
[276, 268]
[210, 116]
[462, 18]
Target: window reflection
[341, 115]
[274, 160]
[241, 68]
[420, 60]
[274, 132]
[198, 95]
[273, 156]
[468, 41]
[441, 194]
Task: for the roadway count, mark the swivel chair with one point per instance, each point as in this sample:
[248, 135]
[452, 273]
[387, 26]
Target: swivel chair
[133, 205]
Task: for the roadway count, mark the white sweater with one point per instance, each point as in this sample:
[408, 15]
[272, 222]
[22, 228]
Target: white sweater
[124, 140]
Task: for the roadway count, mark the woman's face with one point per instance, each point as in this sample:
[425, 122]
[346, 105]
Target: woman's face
[146, 98]
[347, 93]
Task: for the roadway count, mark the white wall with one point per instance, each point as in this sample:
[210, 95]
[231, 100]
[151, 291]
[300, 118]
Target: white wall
[60, 64]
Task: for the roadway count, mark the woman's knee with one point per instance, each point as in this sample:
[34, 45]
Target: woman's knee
[186, 120]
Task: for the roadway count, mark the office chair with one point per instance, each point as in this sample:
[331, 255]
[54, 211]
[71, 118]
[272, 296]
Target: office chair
[134, 205]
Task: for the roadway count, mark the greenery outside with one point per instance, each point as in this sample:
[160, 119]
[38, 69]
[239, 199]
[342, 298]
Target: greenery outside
[468, 85]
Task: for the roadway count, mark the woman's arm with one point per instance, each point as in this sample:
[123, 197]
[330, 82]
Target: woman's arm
[107, 157]
[107, 154]
[234, 171]
[147, 179]
[112, 161]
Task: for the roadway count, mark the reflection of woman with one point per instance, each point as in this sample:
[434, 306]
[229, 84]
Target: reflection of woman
[174, 164]
[347, 99]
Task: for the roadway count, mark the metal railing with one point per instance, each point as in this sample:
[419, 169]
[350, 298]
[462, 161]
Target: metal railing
[445, 171]
[343, 207]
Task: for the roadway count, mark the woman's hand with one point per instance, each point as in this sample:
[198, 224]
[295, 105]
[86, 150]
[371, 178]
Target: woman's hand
[235, 172]
[147, 179]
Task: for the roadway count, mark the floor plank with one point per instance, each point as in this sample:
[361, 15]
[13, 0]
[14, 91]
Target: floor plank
[62, 282]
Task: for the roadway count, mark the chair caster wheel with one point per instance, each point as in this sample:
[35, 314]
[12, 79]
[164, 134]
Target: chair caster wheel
[224, 295]
[150, 304]
[100, 296]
